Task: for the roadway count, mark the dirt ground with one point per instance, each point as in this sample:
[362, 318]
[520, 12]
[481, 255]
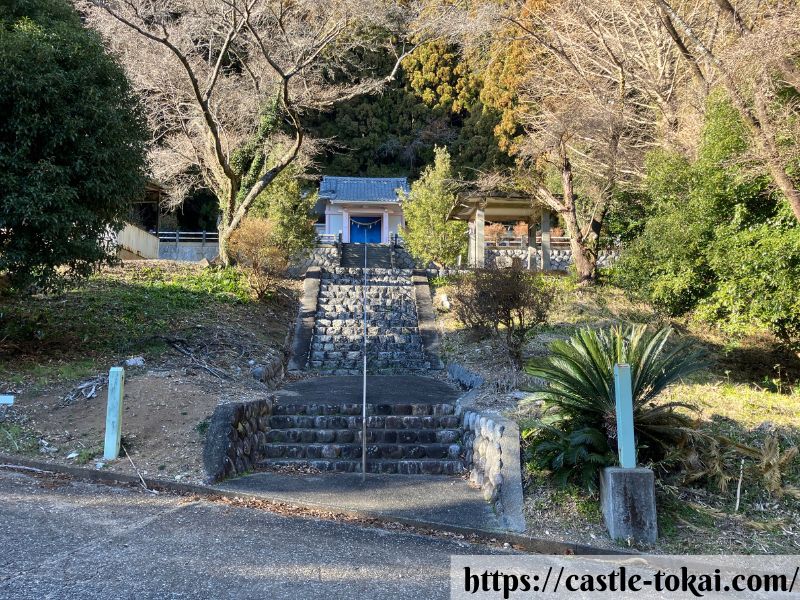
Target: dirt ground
[203, 355]
[164, 412]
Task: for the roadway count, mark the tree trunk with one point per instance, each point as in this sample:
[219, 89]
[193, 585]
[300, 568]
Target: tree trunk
[775, 165]
[584, 260]
[224, 256]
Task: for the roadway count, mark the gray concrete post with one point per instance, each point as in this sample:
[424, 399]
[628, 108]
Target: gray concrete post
[480, 239]
[531, 246]
[628, 493]
[628, 503]
[545, 240]
[471, 245]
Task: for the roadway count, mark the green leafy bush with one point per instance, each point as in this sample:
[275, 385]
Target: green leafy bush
[577, 433]
[758, 273]
[429, 234]
[717, 239]
[289, 210]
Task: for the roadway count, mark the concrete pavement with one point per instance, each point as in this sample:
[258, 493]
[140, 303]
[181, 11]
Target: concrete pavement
[67, 539]
[439, 500]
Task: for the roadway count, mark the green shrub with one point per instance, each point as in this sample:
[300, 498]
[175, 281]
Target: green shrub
[429, 234]
[759, 281]
[577, 434]
[571, 455]
[72, 145]
[692, 206]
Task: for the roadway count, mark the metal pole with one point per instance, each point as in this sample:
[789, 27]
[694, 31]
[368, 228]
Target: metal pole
[364, 387]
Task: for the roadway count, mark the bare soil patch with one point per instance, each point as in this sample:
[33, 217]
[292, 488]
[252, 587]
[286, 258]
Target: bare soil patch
[199, 334]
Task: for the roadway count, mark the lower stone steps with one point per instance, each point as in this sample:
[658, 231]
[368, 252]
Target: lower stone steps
[353, 451]
[373, 422]
[349, 436]
[400, 467]
[413, 438]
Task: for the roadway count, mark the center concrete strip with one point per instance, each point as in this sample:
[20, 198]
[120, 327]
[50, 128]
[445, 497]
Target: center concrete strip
[304, 326]
[63, 539]
[429, 499]
[426, 316]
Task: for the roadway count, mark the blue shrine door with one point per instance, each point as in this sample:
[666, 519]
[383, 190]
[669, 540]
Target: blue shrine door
[365, 230]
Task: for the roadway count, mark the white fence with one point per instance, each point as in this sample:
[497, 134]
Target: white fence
[137, 241]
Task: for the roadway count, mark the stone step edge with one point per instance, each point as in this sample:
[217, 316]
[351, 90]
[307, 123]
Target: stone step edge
[417, 466]
[411, 410]
[378, 422]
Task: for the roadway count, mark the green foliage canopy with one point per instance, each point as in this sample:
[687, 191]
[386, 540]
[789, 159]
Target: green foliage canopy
[72, 145]
[715, 240]
[288, 207]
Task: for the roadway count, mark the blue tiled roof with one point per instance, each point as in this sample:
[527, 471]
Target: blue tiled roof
[362, 189]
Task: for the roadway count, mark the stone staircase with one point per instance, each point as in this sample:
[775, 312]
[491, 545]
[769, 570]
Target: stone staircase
[379, 256]
[394, 344]
[407, 439]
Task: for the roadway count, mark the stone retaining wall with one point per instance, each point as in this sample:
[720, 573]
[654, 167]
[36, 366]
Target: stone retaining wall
[402, 259]
[483, 453]
[492, 456]
[464, 377]
[271, 372]
[324, 257]
[235, 435]
[560, 259]
[504, 257]
[491, 447]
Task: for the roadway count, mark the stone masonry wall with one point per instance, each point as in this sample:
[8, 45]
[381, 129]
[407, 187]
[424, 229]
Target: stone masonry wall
[504, 257]
[560, 259]
[271, 372]
[235, 436]
[325, 257]
[402, 259]
[484, 453]
[394, 343]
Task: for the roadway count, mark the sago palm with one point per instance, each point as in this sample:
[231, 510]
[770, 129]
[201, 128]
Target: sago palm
[580, 383]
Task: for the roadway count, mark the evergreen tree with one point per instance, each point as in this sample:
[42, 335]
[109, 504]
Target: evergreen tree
[72, 145]
[428, 234]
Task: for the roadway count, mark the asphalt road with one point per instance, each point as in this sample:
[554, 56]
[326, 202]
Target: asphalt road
[65, 539]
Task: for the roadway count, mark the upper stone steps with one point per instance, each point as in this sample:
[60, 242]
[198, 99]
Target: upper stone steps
[394, 343]
[378, 255]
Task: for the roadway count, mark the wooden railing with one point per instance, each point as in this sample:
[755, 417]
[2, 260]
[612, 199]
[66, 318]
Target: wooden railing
[520, 241]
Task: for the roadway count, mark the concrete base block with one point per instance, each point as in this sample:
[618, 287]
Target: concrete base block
[628, 502]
